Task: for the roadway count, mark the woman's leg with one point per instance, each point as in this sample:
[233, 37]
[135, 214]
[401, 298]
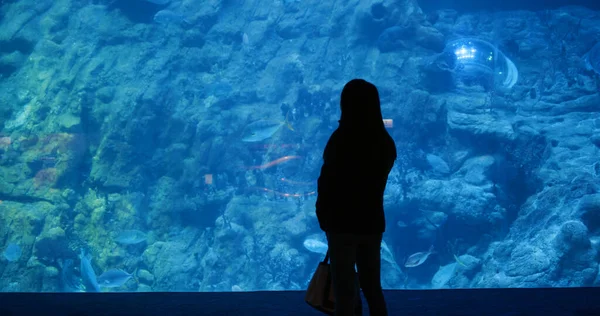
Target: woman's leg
[368, 263]
[342, 254]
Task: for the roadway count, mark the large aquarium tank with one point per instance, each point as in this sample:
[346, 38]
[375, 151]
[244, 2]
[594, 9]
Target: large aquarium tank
[174, 145]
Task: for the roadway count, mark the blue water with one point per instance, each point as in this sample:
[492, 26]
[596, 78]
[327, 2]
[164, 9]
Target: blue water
[181, 141]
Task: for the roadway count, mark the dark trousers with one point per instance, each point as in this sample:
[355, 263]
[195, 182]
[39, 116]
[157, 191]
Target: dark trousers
[346, 250]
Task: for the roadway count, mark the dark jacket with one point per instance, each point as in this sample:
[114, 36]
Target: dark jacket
[356, 162]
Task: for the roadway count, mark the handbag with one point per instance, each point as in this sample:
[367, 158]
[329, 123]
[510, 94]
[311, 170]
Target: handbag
[319, 294]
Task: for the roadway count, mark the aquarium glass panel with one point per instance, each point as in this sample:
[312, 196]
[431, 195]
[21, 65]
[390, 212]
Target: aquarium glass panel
[177, 145]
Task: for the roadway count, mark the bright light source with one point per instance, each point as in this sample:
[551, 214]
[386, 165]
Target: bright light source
[465, 53]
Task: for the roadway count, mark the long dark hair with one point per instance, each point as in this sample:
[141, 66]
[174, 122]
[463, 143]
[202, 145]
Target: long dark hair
[361, 136]
[361, 108]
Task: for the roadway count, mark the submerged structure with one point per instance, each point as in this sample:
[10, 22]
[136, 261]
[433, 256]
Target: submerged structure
[479, 61]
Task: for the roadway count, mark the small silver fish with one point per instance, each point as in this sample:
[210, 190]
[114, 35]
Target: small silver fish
[437, 164]
[12, 253]
[315, 246]
[592, 59]
[435, 219]
[386, 255]
[113, 278]
[263, 129]
[595, 241]
[69, 282]
[88, 276]
[418, 258]
[130, 237]
[169, 17]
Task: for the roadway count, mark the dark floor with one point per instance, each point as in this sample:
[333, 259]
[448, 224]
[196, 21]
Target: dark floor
[575, 301]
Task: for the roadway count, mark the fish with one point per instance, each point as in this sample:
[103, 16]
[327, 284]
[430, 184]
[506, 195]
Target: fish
[88, 276]
[443, 275]
[592, 59]
[5, 142]
[315, 246]
[68, 281]
[388, 123]
[458, 261]
[236, 288]
[273, 163]
[418, 258]
[437, 164]
[263, 129]
[435, 219]
[595, 242]
[113, 278]
[282, 194]
[386, 254]
[130, 237]
[12, 252]
[165, 17]
[401, 224]
[293, 182]
[262, 147]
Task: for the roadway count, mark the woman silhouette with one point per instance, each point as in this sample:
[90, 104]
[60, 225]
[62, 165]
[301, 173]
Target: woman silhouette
[357, 160]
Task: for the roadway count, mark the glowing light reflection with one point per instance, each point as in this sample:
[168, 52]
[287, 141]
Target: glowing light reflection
[465, 53]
